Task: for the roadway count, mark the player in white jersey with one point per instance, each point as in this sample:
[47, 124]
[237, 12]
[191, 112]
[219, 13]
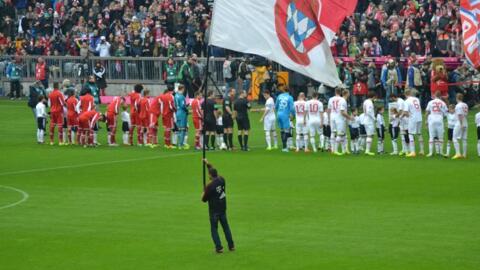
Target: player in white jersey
[413, 111]
[435, 112]
[126, 125]
[338, 109]
[269, 119]
[477, 123]
[460, 130]
[301, 122]
[451, 121]
[315, 119]
[403, 125]
[369, 121]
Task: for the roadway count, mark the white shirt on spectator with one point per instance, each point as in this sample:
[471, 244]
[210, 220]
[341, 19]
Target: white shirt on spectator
[103, 49]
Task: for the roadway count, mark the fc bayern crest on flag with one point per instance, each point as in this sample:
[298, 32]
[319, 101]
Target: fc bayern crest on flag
[297, 28]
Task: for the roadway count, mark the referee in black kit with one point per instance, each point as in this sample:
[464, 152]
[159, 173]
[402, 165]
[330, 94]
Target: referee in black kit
[240, 112]
[215, 194]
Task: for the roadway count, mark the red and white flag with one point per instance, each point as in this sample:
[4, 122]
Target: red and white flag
[470, 16]
[294, 33]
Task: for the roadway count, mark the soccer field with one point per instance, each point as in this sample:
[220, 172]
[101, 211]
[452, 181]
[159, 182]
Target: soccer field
[139, 208]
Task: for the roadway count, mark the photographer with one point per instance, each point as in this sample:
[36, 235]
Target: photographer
[103, 48]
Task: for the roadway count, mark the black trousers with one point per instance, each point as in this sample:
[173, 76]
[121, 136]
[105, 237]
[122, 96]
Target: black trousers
[15, 89]
[222, 218]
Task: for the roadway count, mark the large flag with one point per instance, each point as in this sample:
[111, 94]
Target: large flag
[470, 16]
[294, 33]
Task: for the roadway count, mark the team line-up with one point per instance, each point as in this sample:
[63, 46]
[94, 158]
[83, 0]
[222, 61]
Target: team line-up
[77, 121]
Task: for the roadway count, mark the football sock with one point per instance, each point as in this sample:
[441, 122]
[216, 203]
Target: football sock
[275, 141]
[245, 141]
[212, 141]
[369, 145]
[333, 143]
[456, 144]
[312, 142]
[230, 140]
[430, 147]
[448, 148]
[225, 139]
[395, 146]
[130, 135]
[297, 141]
[412, 143]
[305, 141]
[478, 147]
[283, 136]
[240, 141]
[52, 132]
[464, 147]
[268, 139]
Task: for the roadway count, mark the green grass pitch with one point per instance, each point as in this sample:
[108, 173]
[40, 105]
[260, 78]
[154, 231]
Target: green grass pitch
[138, 208]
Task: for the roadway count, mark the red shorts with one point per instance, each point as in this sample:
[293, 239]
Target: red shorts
[197, 123]
[83, 123]
[144, 122]
[72, 120]
[154, 119]
[134, 120]
[56, 118]
[111, 120]
[167, 122]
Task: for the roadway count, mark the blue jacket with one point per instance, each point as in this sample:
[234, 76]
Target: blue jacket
[13, 72]
[383, 77]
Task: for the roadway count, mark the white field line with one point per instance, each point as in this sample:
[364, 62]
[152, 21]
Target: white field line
[92, 164]
[23, 199]
[100, 163]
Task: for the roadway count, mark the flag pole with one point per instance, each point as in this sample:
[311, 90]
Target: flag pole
[204, 105]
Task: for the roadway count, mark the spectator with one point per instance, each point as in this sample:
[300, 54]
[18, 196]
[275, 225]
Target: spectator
[41, 72]
[391, 77]
[103, 48]
[439, 80]
[14, 71]
[229, 74]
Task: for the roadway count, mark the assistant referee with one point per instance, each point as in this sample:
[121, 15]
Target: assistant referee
[215, 194]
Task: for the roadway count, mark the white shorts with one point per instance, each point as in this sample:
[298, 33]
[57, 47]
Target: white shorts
[369, 129]
[269, 124]
[339, 126]
[436, 130]
[301, 128]
[414, 128]
[460, 133]
[314, 128]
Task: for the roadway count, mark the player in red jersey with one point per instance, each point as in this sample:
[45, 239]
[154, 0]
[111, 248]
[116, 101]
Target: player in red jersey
[168, 116]
[197, 114]
[56, 102]
[72, 116]
[134, 102]
[87, 122]
[144, 117]
[113, 109]
[155, 110]
[86, 102]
